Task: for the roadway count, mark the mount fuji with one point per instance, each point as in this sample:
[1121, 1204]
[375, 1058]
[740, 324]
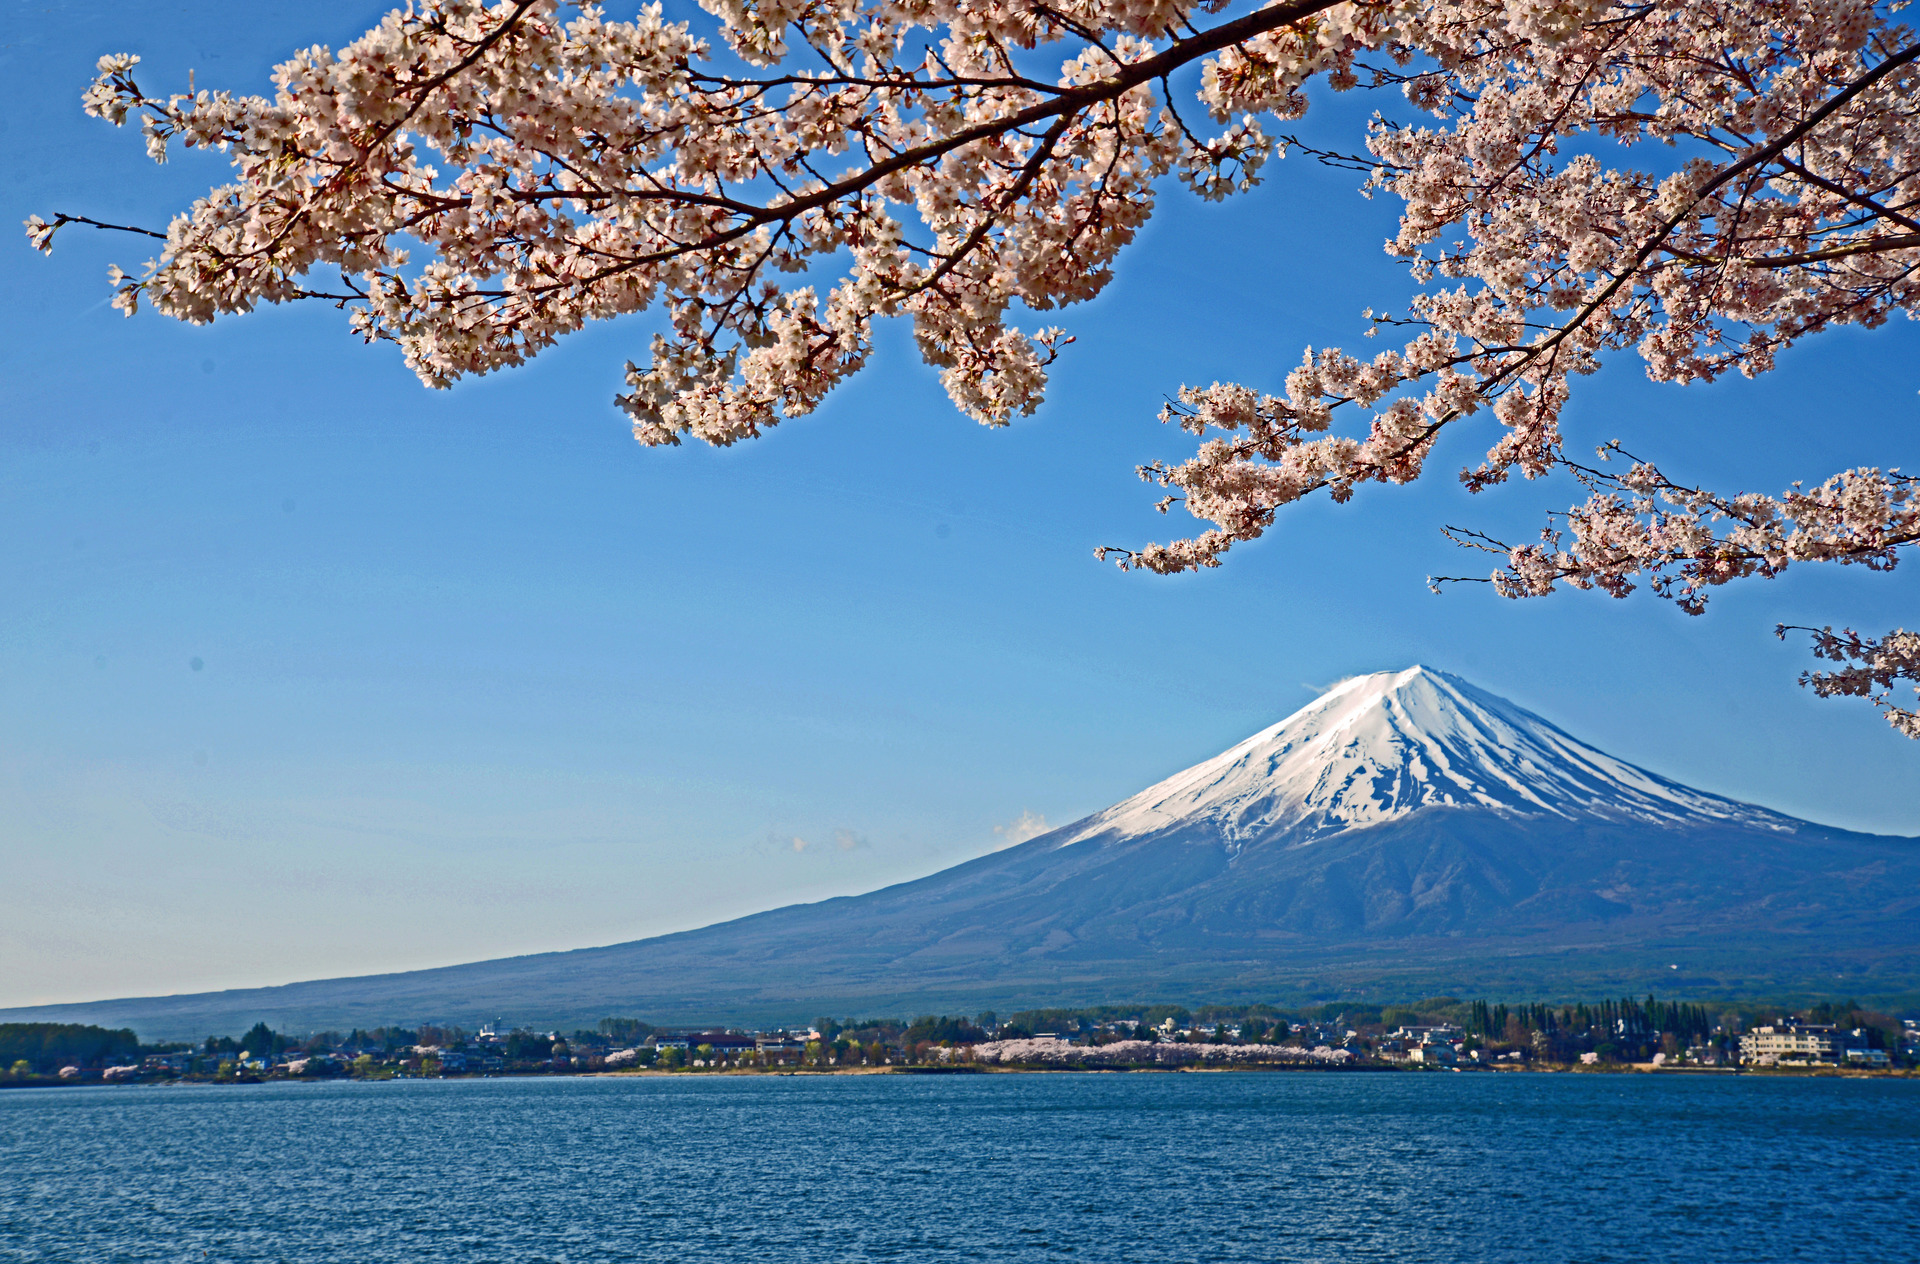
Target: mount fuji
[1405, 834]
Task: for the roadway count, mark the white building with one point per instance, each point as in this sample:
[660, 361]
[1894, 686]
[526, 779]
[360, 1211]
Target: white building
[1789, 1043]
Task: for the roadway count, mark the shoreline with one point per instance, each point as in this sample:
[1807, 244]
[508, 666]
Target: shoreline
[1808, 1072]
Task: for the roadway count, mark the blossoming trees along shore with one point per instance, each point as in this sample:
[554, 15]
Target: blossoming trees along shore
[1152, 1053]
[843, 160]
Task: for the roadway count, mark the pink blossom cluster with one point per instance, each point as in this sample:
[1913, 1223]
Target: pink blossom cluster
[1151, 1053]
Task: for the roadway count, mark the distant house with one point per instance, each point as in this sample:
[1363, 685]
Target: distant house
[724, 1041]
[176, 1062]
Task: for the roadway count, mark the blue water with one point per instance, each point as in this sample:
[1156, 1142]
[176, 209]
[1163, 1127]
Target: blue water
[1219, 1167]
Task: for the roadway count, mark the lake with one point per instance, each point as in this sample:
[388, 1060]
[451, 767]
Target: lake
[1147, 1167]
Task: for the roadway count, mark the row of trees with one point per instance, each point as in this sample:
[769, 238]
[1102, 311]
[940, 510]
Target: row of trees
[1627, 1017]
[43, 1048]
[625, 1031]
[1630, 1030]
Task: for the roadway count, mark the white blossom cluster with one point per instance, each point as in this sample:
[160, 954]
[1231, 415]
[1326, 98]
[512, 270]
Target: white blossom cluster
[1151, 1053]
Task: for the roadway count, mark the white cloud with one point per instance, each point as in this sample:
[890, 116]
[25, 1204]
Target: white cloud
[1021, 828]
[842, 840]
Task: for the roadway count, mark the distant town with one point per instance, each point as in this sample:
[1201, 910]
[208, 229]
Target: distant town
[1443, 1033]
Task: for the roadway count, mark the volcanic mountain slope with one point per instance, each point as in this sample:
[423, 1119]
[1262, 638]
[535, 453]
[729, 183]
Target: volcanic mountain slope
[1406, 833]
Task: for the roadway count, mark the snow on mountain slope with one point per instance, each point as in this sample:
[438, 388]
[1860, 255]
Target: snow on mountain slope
[1379, 747]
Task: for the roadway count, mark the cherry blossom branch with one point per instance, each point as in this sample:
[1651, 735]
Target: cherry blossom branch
[1872, 669]
[40, 232]
[550, 167]
[1644, 524]
[453, 73]
[1238, 483]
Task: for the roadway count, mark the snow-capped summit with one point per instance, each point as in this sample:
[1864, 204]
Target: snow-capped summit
[1374, 748]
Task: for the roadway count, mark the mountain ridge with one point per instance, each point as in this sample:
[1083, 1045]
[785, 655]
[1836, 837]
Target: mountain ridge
[1406, 833]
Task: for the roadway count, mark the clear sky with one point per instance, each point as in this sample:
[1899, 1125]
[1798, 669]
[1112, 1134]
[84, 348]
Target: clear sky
[306, 670]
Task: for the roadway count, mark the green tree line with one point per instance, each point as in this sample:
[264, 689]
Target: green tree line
[46, 1047]
[1625, 1017]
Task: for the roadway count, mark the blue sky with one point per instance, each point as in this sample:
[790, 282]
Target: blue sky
[306, 670]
